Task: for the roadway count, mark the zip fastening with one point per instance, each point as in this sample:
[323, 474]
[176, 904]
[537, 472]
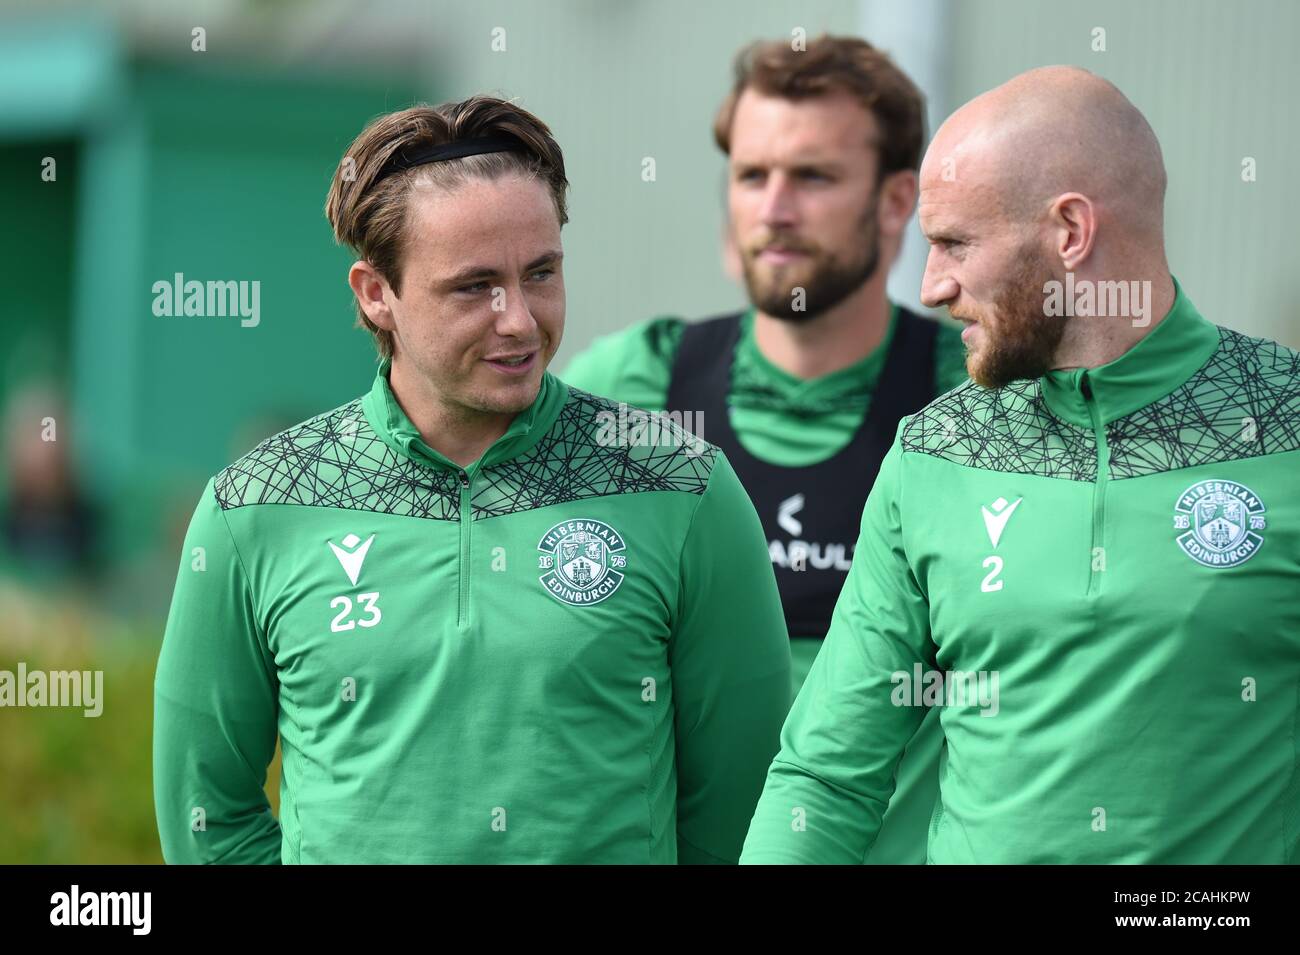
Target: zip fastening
[1098, 489]
[466, 522]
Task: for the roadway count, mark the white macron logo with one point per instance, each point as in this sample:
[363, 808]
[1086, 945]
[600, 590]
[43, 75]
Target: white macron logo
[353, 557]
[995, 520]
[785, 515]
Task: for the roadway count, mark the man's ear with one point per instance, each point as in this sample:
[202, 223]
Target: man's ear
[897, 202]
[1074, 229]
[373, 293]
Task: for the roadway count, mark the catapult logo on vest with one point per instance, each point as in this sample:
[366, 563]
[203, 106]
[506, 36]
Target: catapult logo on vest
[211, 299]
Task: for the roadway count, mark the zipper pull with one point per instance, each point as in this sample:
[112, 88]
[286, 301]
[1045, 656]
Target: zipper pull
[464, 479]
[1086, 387]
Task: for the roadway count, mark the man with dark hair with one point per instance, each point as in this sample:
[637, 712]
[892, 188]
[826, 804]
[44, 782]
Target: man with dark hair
[1088, 558]
[803, 390]
[487, 625]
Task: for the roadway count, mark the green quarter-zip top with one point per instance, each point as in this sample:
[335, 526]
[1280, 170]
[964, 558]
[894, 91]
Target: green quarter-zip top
[1095, 578]
[570, 651]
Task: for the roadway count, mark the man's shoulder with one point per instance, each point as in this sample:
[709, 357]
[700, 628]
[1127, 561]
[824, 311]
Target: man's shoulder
[1007, 429]
[1275, 366]
[331, 459]
[603, 446]
[1248, 385]
[632, 364]
[1263, 371]
[967, 410]
[1243, 402]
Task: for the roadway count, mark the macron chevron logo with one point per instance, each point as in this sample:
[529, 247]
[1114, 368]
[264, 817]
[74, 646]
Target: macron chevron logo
[995, 519]
[785, 515]
[353, 557]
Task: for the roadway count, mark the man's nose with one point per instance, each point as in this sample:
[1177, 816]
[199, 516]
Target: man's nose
[514, 319]
[779, 205]
[937, 286]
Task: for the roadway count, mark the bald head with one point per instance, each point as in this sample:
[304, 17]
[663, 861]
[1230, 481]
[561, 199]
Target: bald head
[1056, 130]
[1050, 178]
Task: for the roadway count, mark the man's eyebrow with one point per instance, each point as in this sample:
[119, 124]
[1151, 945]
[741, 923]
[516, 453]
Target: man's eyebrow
[469, 274]
[475, 273]
[820, 164]
[943, 233]
[828, 163]
[546, 258]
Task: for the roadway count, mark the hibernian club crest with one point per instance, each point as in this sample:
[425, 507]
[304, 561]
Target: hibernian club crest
[1221, 521]
[583, 561]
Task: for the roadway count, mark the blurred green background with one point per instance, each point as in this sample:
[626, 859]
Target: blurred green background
[214, 163]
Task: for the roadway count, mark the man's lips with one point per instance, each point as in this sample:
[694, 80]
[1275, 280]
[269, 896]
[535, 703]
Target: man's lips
[779, 255]
[510, 364]
[970, 324]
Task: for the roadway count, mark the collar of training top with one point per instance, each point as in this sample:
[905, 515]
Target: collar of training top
[396, 430]
[1165, 358]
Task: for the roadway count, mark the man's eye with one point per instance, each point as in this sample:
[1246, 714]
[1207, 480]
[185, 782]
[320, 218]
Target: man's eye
[473, 288]
[544, 274]
[812, 175]
[749, 175]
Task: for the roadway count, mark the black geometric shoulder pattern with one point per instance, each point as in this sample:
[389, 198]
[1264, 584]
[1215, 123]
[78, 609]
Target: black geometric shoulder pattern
[1006, 429]
[595, 449]
[1244, 402]
[335, 459]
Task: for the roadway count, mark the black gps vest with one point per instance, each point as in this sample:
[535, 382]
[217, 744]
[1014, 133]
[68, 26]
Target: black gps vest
[810, 515]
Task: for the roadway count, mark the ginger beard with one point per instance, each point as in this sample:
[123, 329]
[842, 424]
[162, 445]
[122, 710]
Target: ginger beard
[1019, 339]
[825, 279]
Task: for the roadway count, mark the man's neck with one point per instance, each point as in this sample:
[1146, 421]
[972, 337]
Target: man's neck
[835, 339]
[1090, 342]
[459, 434]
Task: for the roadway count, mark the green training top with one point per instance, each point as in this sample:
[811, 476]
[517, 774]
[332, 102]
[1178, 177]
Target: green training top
[791, 422]
[570, 651]
[1105, 566]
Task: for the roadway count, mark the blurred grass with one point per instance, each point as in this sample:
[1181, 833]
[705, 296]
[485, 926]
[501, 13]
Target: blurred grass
[77, 789]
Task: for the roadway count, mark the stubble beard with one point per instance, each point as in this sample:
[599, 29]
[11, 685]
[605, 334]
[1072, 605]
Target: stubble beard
[1020, 339]
[829, 280]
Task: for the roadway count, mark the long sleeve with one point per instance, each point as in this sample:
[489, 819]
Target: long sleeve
[730, 660]
[829, 785]
[215, 708]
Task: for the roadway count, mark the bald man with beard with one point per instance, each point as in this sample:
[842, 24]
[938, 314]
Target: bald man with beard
[1088, 557]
